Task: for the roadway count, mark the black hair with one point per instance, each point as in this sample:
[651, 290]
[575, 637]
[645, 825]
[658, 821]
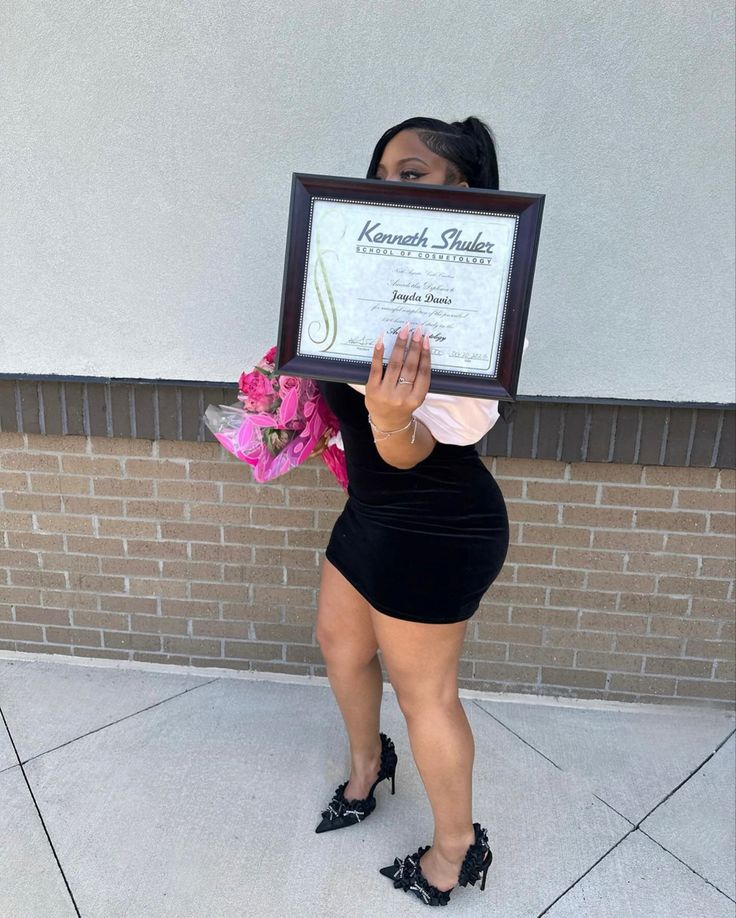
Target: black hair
[471, 147]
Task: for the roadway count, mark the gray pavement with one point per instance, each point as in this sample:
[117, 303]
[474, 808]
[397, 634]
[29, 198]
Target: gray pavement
[128, 792]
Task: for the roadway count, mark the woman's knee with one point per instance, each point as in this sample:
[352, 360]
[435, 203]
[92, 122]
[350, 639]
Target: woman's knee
[343, 646]
[432, 701]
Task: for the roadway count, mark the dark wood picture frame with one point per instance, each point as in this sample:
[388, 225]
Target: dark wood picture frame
[525, 208]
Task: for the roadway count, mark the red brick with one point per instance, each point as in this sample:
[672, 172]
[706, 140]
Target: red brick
[608, 662]
[649, 685]
[680, 477]
[155, 509]
[189, 491]
[648, 644]
[638, 496]
[528, 511]
[662, 563]
[605, 471]
[122, 487]
[673, 666]
[61, 522]
[155, 468]
[177, 608]
[202, 647]
[528, 468]
[582, 599]
[683, 627]
[722, 524]
[45, 503]
[574, 677]
[59, 484]
[619, 582]
[269, 495]
[693, 586]
[561, 492]
[598, 517]
[36, 578]
[142, 548]
[505, 672]
[41, 616]
[612, 622]
[92, 466]
[711, 650]
[693, 688]
[26, 461]
[711, 545]
[74, 636]
[254, 650]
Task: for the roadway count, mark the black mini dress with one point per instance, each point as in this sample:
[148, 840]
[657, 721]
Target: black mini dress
[420, 544]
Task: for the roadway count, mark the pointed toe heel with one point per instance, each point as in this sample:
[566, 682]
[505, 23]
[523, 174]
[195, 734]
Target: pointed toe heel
[341, 812]
[406, 872]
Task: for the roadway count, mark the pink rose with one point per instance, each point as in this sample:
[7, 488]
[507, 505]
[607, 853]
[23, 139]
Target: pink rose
[268, 361]
[258, 391]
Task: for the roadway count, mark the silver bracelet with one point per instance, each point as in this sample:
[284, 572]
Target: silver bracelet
[389, 433]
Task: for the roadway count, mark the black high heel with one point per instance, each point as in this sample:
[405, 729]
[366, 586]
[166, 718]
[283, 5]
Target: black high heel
[407, 872]
[341, 812]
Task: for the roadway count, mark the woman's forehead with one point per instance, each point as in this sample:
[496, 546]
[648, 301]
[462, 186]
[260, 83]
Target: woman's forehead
[408, 144]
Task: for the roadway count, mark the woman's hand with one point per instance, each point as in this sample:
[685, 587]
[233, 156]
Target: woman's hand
[390, 402]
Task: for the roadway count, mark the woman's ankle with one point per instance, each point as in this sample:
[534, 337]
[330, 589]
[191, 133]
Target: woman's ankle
[455, 845]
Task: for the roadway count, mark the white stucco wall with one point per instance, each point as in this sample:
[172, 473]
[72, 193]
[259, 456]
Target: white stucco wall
[146, 152]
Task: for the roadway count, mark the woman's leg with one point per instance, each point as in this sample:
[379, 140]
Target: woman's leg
[422, 662]
[345, 635]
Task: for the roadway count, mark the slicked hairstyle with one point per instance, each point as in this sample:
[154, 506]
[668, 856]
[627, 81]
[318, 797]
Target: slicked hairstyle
[469, 145]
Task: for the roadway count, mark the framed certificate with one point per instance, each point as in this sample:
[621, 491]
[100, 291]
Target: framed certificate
[364, 256]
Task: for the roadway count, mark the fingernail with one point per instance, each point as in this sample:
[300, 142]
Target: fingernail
[404, 333]
[379, 341]
[417, 336]
[425, 343]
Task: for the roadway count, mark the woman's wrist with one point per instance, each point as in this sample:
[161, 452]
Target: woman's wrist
[388, 422]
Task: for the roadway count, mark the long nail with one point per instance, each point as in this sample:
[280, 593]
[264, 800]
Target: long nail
[379, 341]
[425, 343]
[404, 333]
[417, 336]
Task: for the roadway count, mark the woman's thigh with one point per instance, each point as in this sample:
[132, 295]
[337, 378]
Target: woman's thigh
[421, 659]
[344, 627]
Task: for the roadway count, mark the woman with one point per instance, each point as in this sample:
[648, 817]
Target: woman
[423, 534]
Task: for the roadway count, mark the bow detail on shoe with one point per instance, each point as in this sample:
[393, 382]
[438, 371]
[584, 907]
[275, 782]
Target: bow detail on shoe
[342, 812]
[339, 806]
[406, 872]
[403, 869]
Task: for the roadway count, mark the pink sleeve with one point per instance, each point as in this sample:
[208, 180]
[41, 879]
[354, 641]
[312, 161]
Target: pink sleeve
[456, 419]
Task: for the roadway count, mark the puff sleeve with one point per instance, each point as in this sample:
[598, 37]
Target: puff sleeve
[455, 419]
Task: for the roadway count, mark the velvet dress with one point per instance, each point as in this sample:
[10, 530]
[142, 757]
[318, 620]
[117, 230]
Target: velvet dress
[421, 544]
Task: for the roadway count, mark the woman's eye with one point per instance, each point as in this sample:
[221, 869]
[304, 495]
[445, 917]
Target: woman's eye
[409, 173]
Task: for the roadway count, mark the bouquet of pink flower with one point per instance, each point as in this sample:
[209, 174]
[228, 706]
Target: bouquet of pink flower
[281, 422]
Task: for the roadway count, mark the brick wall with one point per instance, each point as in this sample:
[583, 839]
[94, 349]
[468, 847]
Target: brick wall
[619, 583]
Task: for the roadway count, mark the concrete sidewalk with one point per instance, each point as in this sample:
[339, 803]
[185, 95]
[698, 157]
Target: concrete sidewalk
[128, 792]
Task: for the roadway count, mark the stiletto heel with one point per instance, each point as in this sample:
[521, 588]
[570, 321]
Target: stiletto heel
[485, 870]
[407, 873]
[341, 812]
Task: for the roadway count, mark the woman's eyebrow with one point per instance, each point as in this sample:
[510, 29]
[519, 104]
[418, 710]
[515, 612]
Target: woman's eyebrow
[407, 159]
